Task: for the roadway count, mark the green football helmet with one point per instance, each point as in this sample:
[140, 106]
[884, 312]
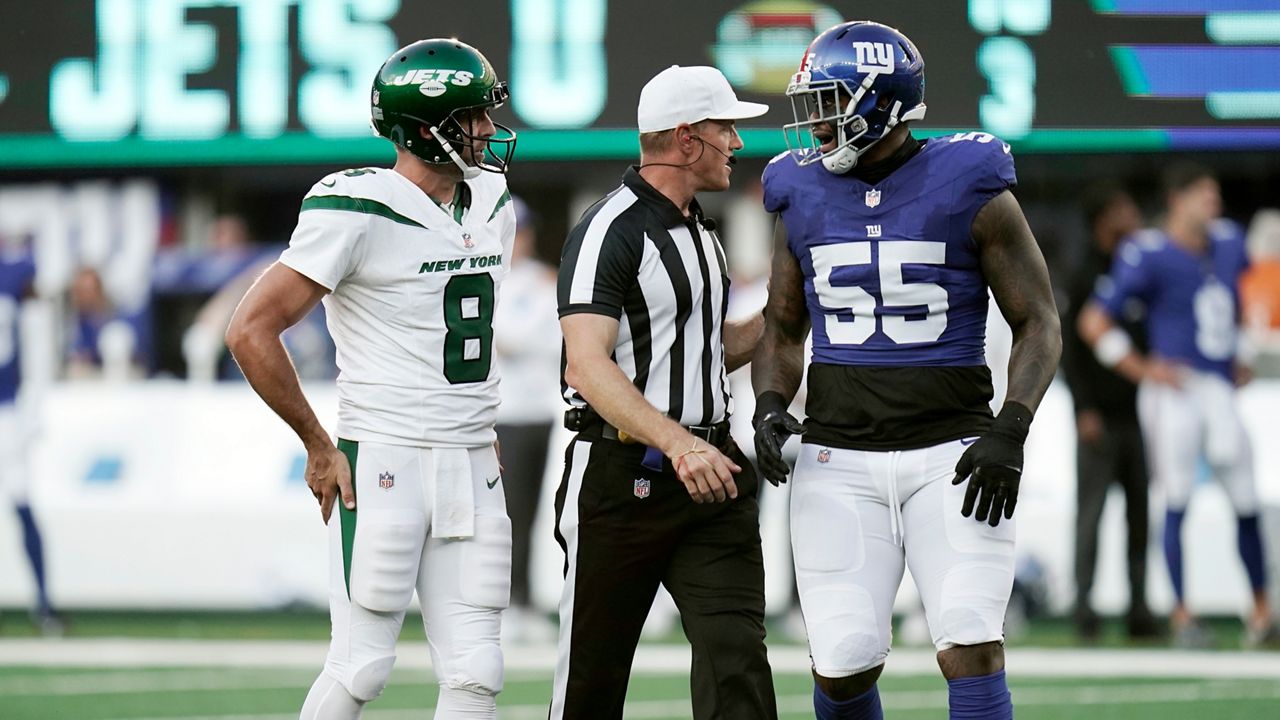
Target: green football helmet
[432, 85]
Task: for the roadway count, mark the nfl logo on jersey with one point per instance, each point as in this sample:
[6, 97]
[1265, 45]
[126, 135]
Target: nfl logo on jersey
[386, 480]
[873, 198]
[824, 455]
[641, 488]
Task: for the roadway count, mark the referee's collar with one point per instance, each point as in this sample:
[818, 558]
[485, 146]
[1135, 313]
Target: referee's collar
[659, 203]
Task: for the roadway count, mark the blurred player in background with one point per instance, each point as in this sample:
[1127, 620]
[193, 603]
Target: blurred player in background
[526, 334]
[886, 246]
[1187, 273]
[106, 342]
[17, 274]
[1109, 446]
[407, 262]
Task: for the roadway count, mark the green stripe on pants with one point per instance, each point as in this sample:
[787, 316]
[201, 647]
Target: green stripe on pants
[347, 517]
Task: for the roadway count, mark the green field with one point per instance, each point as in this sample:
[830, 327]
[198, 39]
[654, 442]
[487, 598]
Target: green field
[95, 693]
[114, 666]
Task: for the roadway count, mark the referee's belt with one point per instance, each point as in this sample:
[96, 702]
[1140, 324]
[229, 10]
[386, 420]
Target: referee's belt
[582, 419]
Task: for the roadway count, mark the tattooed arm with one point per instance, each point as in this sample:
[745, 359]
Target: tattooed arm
[778, 363]
[1015, 270]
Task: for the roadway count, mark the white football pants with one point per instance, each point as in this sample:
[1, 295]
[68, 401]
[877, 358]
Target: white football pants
[856, 517]
[462, 584]
[1198, 420]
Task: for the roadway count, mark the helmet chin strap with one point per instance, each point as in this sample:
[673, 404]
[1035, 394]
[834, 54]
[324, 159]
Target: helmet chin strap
[840, 161]
[846, 157]
[469, 172]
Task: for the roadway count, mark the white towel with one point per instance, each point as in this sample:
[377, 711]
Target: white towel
[453, 514]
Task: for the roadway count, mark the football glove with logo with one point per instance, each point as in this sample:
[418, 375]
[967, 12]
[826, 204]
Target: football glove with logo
[773, 426]
[993, 466]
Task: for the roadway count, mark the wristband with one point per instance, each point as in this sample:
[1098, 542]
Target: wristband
[1112, 347]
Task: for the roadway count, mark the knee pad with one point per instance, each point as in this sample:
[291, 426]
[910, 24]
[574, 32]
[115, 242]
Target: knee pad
[385, 557]
[973, 601]
[845, 636]
[478, 672]
[328, 699]
[486, 559]
[367, 681]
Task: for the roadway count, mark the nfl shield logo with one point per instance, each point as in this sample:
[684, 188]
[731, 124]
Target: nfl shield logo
[824, 455]
[386, 480]
[873, 198]
[467, 241]
[641, 488]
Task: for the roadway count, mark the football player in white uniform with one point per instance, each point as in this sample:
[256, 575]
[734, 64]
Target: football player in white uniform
[408, 263]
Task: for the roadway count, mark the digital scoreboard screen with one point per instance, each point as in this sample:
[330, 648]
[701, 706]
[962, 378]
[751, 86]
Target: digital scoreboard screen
[221, 82]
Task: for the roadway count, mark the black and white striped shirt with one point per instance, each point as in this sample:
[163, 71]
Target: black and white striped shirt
[635, 257]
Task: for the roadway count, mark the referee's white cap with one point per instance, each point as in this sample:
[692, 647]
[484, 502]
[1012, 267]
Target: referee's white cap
[690, 95]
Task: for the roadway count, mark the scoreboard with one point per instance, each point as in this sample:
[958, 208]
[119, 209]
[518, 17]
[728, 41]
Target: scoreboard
[225, 82]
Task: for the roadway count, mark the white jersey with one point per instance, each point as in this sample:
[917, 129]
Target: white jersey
[410, 308]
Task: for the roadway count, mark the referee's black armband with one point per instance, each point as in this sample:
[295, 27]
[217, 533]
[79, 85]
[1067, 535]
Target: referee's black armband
[1013, 422]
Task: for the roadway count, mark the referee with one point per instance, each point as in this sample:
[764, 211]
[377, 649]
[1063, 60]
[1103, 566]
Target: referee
[649, 493]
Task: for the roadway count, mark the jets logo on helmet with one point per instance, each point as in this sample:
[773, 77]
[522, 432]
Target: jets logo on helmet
[857, 81]
[427, 98]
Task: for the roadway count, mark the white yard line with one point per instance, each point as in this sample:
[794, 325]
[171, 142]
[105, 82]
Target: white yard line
[650, 659]
[1135, 694]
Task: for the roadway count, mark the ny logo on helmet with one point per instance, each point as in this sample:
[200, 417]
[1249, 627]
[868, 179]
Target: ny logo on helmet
[874, 57]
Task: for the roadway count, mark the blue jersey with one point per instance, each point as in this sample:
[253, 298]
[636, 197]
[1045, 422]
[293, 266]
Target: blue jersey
[1193, 300]
[892, 276]
[15, 280]
[895, 292]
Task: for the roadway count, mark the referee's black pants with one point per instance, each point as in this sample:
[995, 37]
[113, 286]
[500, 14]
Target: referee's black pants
[619, 546]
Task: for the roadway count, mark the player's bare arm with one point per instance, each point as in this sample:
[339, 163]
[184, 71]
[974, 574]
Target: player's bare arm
[589, 340]
[1019, 279]
[778, 364]
[278, 300]
[1115, 349]
[740, 341]
[1016, 272]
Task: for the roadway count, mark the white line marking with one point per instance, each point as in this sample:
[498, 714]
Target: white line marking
[893, 700]
[650, 659]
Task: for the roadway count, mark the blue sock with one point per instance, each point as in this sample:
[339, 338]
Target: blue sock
[35, 554]
[864, 707]
[980, 698]
[1249, 540]
[1173, 548]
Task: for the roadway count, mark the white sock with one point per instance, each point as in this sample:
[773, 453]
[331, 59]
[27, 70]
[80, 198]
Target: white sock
[329, 700]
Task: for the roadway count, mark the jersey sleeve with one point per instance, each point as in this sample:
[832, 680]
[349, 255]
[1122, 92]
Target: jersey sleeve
[507, 233]
[598, 268]
[1131, 277]
[776, 197]
[326, 245]
[989, 171]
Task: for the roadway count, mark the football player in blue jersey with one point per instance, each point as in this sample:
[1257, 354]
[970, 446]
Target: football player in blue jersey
[1187, 274]
[17, 275]
[886, 247]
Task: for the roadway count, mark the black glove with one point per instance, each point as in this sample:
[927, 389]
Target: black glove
[773, 426]
[993, 466]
